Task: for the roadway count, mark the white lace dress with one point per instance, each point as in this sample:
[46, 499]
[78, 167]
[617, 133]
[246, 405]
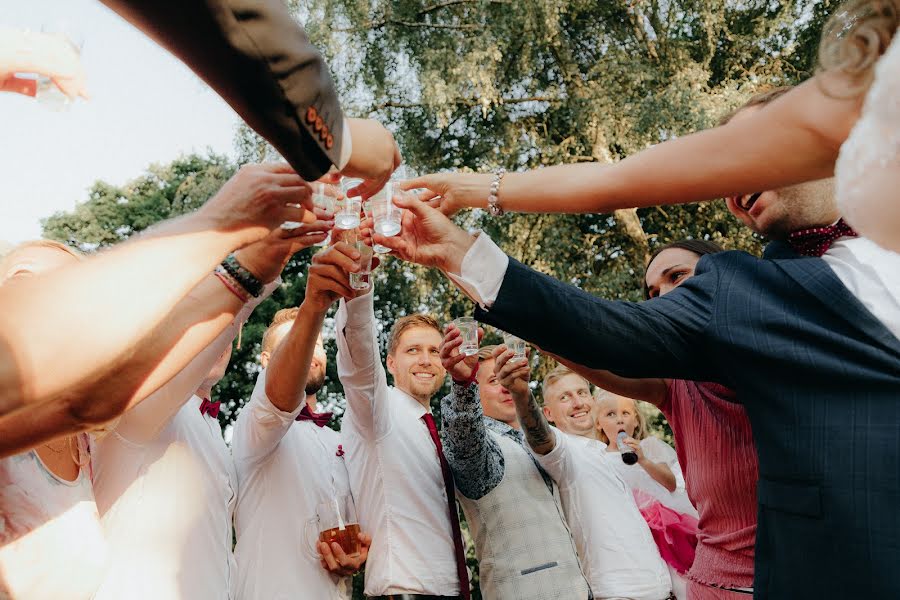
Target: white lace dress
[867, 172]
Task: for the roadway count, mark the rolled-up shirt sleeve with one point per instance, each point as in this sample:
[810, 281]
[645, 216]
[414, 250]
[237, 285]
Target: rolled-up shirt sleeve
[474, 456]
[261, 425]
[557, 462]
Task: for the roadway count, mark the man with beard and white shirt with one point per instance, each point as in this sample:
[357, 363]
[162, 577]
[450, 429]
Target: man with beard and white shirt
[288, 461]
[398, 473]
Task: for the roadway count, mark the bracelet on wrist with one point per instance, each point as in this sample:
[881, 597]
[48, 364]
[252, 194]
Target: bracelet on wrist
[248, 280]
[232, 284]
[493, 201]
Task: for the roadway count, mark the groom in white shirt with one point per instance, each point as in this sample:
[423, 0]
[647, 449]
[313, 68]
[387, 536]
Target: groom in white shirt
[397, 471]
[288, 460]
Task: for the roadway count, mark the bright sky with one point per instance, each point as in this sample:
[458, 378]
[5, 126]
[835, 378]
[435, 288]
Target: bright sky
[146, 107]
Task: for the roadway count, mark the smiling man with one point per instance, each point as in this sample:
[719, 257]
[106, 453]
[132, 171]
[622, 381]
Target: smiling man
[568, 402]
[400, 479]
[512, 506]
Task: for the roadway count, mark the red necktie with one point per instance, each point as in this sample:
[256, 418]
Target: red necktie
[209, 408]
[815, 241]
[320, 419]
[458, 547]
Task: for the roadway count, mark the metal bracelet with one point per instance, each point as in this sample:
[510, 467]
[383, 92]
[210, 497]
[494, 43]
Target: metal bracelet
[493, 201]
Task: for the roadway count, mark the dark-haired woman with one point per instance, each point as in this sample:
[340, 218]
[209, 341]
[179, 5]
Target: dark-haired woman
[714, 445]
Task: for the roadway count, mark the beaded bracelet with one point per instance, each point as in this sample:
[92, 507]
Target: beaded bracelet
[245, 278]
[232, 284]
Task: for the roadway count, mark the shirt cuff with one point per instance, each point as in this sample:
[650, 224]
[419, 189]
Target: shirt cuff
[482, 271]
[346, 147]
[359, 311]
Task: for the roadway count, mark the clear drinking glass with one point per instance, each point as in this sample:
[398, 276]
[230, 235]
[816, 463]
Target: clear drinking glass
[361, 279]
[346, 215]
[468, 327]
[324, 197]
[338, 523]
[386, 217]
[47, 93]
[515, 344]
[367, 209]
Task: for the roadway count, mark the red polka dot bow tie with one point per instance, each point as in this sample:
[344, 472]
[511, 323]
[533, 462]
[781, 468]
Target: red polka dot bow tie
[209, 408]
[816, 241]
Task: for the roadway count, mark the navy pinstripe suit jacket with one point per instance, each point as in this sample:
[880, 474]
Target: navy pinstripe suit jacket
[818, 374]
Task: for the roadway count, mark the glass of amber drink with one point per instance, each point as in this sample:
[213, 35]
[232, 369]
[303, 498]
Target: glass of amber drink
[338, 523]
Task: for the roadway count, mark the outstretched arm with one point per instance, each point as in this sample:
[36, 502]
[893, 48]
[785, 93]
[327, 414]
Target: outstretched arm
[795, 139]
[514, 375]
[651, 389]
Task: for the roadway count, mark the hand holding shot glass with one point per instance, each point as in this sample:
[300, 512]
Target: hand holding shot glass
[468, 329]
[346, 215]
[517, 345]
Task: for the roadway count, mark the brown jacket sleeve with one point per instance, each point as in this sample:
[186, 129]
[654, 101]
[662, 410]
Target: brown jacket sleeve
[260, 61]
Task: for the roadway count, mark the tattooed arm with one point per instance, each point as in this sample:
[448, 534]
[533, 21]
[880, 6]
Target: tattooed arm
[514, 375]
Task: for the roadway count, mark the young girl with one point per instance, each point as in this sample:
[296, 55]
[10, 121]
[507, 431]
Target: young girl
[657, 471]
[655, 480]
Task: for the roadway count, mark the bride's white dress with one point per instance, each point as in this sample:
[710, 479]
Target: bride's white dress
[867, 172]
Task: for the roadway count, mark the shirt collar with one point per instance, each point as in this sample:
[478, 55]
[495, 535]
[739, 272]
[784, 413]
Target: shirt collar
[411, 404]
[503, 429]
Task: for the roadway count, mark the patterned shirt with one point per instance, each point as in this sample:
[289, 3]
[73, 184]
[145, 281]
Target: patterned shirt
[474, 456]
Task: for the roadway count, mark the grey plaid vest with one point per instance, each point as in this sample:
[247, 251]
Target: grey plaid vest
[524, 548]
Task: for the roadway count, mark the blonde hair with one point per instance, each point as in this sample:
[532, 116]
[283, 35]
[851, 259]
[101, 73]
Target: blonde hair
[285, 315]
[604, 397]
[7, 259]
[853, 40]
[408, 322]
[558, 372]
[486, 353]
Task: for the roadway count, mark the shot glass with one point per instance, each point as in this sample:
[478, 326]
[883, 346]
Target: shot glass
[324, 197]
[367, 209]
[346, 215]
[385, 216]
[47, 93]
[517, 345]
[361, 279]
[468, 327]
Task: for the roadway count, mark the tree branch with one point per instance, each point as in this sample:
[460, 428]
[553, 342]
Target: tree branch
[385, 22]
[440, 5]
[466, 102]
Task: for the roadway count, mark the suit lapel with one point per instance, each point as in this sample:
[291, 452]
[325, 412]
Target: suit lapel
[816, 276]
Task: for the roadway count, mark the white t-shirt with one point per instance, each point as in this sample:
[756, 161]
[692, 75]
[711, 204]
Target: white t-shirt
[51, 541]
[394, 469]
[285, 469]
[637, 478]
[616, 548]
[166, 507]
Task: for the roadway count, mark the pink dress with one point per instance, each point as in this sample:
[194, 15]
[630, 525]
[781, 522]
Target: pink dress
[716, 452]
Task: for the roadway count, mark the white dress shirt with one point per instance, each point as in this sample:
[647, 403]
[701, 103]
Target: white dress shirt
[394, 469]
[166, 508]
[166, 490]
[285, 469]
[616, 548]
[871, 273]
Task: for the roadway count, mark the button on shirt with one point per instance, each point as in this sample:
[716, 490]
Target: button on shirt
[615, 545]
[394, 469]
[285, 469]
